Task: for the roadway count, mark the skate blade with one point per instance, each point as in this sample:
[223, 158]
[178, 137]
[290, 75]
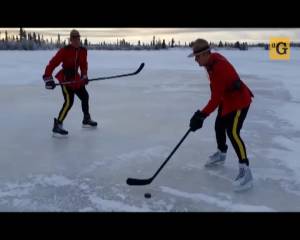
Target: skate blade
[215, 164]
[247, 186]
[88, 126]
[57, 135]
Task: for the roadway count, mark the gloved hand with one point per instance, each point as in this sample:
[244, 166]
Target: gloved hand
[197, 120]
[49, 82]
[85, 79]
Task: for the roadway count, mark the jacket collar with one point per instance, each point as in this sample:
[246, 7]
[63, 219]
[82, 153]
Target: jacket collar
[213, 59]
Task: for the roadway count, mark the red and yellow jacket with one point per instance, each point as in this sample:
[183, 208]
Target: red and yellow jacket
[223, 76]
[71, 59]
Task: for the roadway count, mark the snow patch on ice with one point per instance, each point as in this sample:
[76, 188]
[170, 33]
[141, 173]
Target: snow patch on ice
[145, 154]
[86, 209]
[23, 203]
[290, 157]
[112, 205]
[226, 204]
[54, 180]
[16, 190]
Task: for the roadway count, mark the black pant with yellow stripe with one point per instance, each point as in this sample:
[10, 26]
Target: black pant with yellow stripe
[68, 94]
[232, 124]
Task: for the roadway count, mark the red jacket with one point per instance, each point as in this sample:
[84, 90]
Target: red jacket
[71, 59]
[222, 76]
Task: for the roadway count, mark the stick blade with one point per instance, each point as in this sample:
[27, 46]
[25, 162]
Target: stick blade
[134, 181]
[140, 68]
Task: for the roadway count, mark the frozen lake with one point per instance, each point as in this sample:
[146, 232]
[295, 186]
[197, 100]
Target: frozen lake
[141, 119]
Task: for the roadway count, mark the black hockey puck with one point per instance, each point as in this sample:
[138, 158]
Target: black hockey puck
[147, 195]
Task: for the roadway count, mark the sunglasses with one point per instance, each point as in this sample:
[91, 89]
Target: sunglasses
[198, 56]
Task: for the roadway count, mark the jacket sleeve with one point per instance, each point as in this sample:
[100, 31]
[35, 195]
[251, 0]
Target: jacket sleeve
[218, 84]
[54, 62]
[83, 63]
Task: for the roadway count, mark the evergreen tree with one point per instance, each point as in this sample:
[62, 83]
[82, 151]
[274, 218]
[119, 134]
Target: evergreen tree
[34, 37]
[153, 42]
[172, 42]
[164, 44]
[21, 34]
[237, 45]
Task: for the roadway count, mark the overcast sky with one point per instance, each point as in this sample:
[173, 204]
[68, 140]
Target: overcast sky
[132, 35]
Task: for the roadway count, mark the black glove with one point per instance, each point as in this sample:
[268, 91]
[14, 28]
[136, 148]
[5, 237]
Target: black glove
[85, 79]
[196, 121]
[49, 82]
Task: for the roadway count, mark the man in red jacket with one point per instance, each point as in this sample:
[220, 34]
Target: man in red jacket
[232, 98]
[72, 57]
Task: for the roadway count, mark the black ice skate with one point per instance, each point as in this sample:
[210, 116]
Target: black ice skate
[88, 123]
[58, 130]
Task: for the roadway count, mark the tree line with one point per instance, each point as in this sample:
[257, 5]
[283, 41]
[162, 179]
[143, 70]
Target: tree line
[35, 41]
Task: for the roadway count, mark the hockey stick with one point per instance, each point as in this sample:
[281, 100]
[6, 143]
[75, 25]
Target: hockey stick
[134, 181]
[109, 77]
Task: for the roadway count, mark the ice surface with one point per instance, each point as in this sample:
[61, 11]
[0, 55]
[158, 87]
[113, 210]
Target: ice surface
[141, 119]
